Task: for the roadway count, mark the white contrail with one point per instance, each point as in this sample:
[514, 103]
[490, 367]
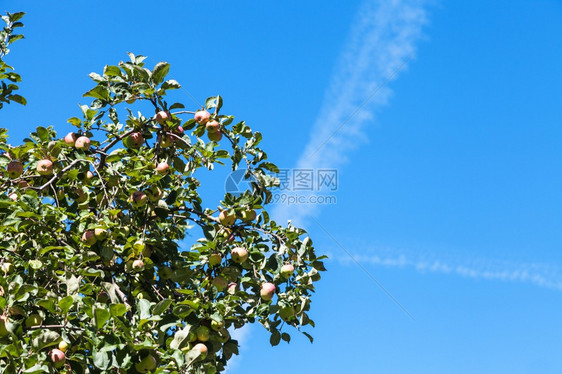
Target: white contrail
[381, 42]
[539, 274]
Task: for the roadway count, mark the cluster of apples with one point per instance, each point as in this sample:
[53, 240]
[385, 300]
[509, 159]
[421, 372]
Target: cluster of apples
[56, 355]
[212, 126]
[240, 255]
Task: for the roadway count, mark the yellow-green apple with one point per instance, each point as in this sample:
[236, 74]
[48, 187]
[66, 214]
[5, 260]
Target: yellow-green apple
[166, 141]
[89, 238]
[287, 312]
[223, 335]
[215, 259]
[33, 320]
[220, 283]
[249, 215]
[239, 255]
[147, 364]
[5, 326]
[202, 333]
[45, 167]
[88, 177]
[202, 116]
[82, 142]
[13, 197]
[267, 291]
[232, 288]
[216, 325]
[63, 345]
[138, 265]
[138, 199]
[215, 136]
[165, 272]
[162, 116]
[23, 184]
[70, 138]
[226, 219]
[202, 348]
[213, 126]
[57, 357]
[14, 169]
[287, 271]
[8, 267]
[162, 168]
[100, 233]
[154, 194]
[81, 196]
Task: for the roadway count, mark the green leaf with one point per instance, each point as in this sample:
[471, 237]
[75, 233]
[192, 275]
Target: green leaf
[35, 264]
[44, 338]
[143, 306]
[18, 99]
[101, 360]
[101, 316]
[160, 71]
[66, 303]
[117, 310]
[162, 306]
[275, 338]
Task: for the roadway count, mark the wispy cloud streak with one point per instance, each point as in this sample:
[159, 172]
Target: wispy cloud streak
[381, 41]
[539, 274]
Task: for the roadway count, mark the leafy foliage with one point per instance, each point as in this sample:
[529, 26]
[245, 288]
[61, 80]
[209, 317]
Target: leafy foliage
[91, 234]
[9, 78]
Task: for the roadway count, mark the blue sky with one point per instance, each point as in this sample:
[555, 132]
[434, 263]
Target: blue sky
[448, 179]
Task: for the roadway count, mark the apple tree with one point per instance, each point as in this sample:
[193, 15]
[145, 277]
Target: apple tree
[109, 260]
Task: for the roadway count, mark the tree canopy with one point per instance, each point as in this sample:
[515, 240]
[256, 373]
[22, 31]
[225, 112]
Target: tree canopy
[111, 263]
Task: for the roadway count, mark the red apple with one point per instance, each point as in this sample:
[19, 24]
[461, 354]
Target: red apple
[213, 126]
[202, 348]
[162, 168]
[239, 255]
[267, 291]
[232, 288]
[162, 116]
[89, 238]
[220, 283]
[45, 167]
[138, 199]
[70, 138]
[57, 356]
[226, 219]
[134, 140]
[14, 169]
[202, 116]
[82, 142]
